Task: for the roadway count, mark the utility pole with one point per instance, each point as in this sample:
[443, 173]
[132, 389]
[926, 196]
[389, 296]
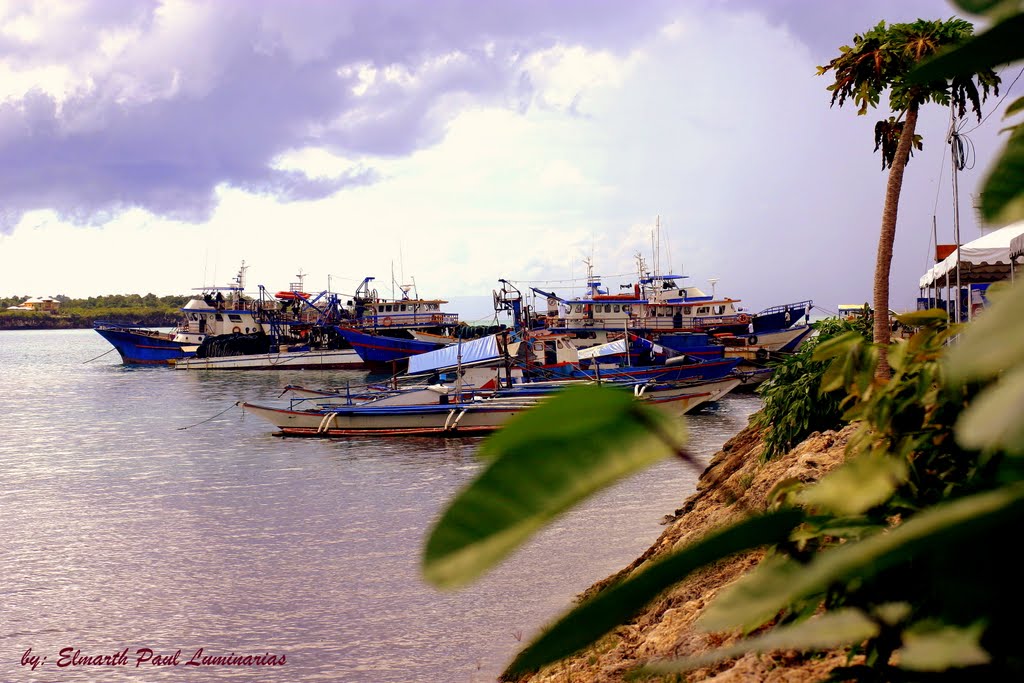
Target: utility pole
[954, 143]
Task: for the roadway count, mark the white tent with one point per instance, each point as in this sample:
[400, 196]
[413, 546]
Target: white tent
[1017, 247]
[986, 259]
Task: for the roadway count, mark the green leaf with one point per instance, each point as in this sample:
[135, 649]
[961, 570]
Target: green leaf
[611, 607]
[1015, 106]
[830, 630]
[835, 376]
[922, 318]
[993, 419]
[985, 6]
[942, 649]
[837, 346]
[859, 485]
[999, 45]
[990, 343]
[542, 463]
[773, 586]
[897, 354]
[1002, 198]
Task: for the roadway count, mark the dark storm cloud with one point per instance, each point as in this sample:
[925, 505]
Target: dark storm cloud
[184, 110]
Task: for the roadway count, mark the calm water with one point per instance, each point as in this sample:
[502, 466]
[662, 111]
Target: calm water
[142, 509]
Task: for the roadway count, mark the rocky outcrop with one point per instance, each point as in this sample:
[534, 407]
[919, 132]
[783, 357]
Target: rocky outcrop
[735, 481]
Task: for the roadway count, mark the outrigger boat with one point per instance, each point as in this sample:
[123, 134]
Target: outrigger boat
[467, 394]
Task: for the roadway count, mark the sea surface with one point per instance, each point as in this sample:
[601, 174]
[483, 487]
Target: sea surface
[143, 511]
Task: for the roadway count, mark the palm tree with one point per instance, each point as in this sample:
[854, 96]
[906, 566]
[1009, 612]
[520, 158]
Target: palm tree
[880, 60]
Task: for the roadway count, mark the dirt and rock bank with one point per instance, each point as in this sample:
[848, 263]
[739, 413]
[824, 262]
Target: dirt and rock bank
[734, 481]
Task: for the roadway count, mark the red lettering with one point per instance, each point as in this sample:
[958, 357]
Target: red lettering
[66, 657]
[142, 655]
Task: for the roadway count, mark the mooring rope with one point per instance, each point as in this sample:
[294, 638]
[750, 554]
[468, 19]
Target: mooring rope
[209, 418]
[98, 357]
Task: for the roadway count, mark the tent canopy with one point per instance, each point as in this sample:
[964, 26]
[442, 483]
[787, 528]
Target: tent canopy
[1017, 247]
[986, 259]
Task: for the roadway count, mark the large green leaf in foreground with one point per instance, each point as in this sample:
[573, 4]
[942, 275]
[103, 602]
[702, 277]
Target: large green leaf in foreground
[773, 586]
[613, 606]
[541, 464]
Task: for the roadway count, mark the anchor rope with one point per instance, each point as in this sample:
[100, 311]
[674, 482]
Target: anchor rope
[209, 418]
[98, 357]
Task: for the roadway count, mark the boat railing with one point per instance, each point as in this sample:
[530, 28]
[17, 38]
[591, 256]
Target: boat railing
[405, 319]
[787, 307]
[135, 328]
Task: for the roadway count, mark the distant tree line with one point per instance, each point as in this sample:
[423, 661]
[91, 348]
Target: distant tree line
[150, 310]
[172, 302]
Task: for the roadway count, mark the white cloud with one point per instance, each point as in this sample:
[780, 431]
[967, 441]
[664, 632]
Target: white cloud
[715, 122]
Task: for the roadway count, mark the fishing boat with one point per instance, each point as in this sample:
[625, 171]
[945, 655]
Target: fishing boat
[399, 315]
[454, 409]
[657, 304]
[383, 350]
[223, 328]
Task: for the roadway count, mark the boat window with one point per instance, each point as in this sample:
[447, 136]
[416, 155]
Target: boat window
[686, 310]
[218, 317]
[402, 307]
[703, 310]
[615, 308]
[626, 308]
[234, 318]
[579, 308]
[538, 346]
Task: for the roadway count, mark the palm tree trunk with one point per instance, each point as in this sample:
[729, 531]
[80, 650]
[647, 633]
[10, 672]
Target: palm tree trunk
[883, 262]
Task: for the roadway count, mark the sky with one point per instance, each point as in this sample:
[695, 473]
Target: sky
[155, 146]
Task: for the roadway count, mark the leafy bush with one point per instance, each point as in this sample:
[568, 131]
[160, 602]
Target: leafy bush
[794, 407]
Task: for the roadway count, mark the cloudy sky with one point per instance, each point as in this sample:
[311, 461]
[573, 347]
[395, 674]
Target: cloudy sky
[155, 145]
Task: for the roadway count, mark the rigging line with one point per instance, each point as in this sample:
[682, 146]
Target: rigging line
[210, 418]
[98, 357]
[938, 184]
[1005, 95]
[570, 280]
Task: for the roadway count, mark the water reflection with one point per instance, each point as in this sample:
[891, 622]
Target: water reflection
[143, 509]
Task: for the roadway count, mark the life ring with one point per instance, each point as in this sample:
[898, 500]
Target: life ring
[387, 322]
[752, 339]
[436, 319]
[236, 329]
[744, 318]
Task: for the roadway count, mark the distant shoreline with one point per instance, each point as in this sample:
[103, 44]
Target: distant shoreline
[77, 322]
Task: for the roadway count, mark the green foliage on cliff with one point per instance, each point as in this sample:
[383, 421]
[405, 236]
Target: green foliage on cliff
[794, 404]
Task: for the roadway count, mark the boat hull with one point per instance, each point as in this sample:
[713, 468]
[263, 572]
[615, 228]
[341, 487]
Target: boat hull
[314, 359]
[419, 420]
[377, 349]
[144, 347]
